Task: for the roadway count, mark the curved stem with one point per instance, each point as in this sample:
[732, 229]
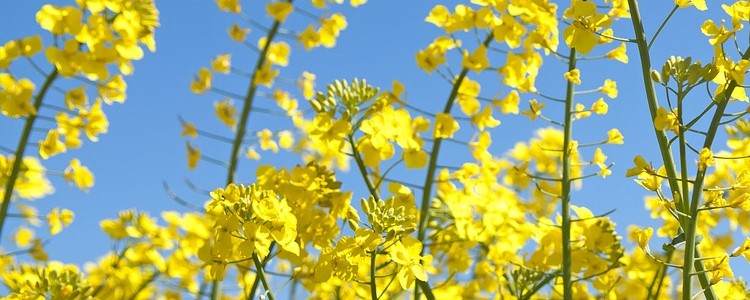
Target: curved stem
[664, 23]
[241, 129]
[566, 182]
[21, 148]
[363, 169]
[432, 165]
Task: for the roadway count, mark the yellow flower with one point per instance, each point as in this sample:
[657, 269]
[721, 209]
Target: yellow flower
[252, 154]
[237, 33]
[484, 119]
[79, 174]
[666, 120]
[309, 38]
[59, 20]
[415, 159]
[76, 98]
[222, 63]
[699, 4]
[509, 104]
[619, 54]
[307, 83]
[201, 84]
[194, 155]
[609, 88]
[439, 15]
[232, 6]
[445, 126]
[24, 236]
[477, 61]
[580, 34]
[279, 10]
[189, 130]
[705, 159]
[278, 53]
[30, 45]
[614, 136]
[286, 139]
[57, 219]
[265, 139]
[51, 145]
[37, 251]
[535, 109]
[600, 107]
[573, 76]
[226, 112]
[643, 236]
[265, 75]
[641, 165]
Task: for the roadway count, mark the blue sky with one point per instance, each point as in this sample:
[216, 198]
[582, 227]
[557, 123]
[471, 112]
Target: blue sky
[143, 146]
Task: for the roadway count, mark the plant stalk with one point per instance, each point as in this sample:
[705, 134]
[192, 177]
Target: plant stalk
[432, 165]
[21, 148]
[566, 181]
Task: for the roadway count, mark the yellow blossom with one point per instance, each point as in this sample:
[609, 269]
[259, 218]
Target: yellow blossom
[279, 10]
[614, 136]
[222, 63]
[445, 126]
[232, 6]
[76, 98]
[237, 33]
[226, 112]
[265, 75]
[600, 107]
[202, 83]
[189, 130]
[573, 76]
[609, 88]
[79, 174]
[699, 4]
[705, 159]
[643, 236]
[619, 54]
[193, 156]
[586, 21]
[51, 145]
[477, 61]
[23, 237]
[57, 219]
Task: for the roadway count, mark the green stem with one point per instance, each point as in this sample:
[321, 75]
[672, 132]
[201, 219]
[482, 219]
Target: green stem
[664, 23]
[363, 169]
[259, 276]
[567, 137]
[658, 280]
[248, 103]
[691, 251]
[432, 165]
[661, 137]
[241, 130]
[143, 285]
[373, 284]
[21, 148]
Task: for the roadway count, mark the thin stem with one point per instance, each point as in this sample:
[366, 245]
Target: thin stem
[241, 128]
[373, 284]
[432, 166]
[24, 140]
[566, 182]
[664, 23]
[363, 169]
[260, 276]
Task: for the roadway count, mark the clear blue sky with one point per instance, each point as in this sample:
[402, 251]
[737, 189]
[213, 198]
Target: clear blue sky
[143, 146]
